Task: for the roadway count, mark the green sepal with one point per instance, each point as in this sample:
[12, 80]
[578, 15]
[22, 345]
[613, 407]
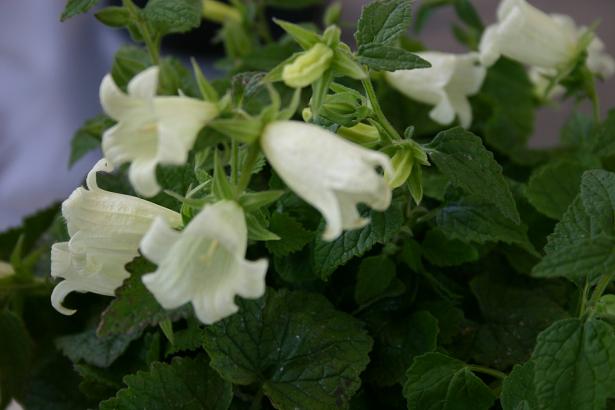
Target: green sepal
[221, 186]
[304, 37]
[252, 201]
[208, 92]
[243, 130]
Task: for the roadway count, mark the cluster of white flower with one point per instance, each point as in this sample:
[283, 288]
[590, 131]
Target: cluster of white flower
[205, 263]
[546, 43]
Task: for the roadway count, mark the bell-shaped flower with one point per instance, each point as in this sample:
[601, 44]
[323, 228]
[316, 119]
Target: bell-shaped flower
[150, 129]
[308, 67]
[446, 85]
[528, 35]
[105, 229]
[204, 264]
[599, 62]
[329, 172]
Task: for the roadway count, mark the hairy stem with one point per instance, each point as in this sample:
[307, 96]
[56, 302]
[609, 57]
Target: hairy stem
[373, 99]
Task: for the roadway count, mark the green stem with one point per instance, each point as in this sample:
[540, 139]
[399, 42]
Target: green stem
[263, 23]
[486, 370]
[583, 298]
[593, 95]
[234, 162]
[248, 166]
[373, 99]
[600, 288]
[152, 44]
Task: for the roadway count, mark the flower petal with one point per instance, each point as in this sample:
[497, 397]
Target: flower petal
[158, 241]
[116, 103]
[142, 175]
[145, 84]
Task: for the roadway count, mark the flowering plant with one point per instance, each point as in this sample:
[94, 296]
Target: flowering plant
[325, 226]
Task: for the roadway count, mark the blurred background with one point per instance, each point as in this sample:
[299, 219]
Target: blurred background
[50, 73]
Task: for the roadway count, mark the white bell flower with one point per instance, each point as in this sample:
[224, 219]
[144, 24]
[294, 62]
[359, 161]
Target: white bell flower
[446, 85]
[329, 172]
[599, 62]
[528, 35]
[151, 129]
[105, 229]
[204, 264]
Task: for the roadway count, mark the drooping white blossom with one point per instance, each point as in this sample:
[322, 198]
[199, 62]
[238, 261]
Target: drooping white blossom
[151, 129]
[329, 172]
[530, 36]
[446, 85]
[105, 229]
[598, 61]
[205, 263]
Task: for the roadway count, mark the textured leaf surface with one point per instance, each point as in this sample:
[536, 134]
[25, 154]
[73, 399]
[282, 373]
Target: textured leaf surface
[185, 383]
[518, 392]
[374, 277]
[383, 226]
[386, 58]
[174, 16]
[304, 352]
[75, 7]
[98, 351]
[575, 365]
[552, 188]
[461, 156]
[472, 220]
[135, 308]
[442, 251]
[438, 382]
[382, 21]
[583, 243]
[293, 236]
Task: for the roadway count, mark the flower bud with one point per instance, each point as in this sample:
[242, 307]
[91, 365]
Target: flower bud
[362, 134]
[6, 269]
[402, 163]
[308, 67]
[219, 12]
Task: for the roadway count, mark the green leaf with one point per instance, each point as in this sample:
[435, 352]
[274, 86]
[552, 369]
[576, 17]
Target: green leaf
[88, 137]
[514, 315]
[553, 187]
[293, 4]
[185, 383]
[135, 308]
[303, 352]
[442, 251]
[94, 350]
[32, 228]
[114, 16]
[383, 21]
[252, 201]
[293, 236]
[188, 339]
[373, 279]
[508, 98]
[174, 16]
[468, 14]
[128, 62]
[75, 7]
[604, 143]
[583, 241]
[575, 365]
[398, 342]
[471, 220]
[426, 9]
[386, 58]
[15, 356]
[461, 156]
[518, 391]
[382, 228]
[578, 130]
[437, 382]
[304, 37]
[598, 195]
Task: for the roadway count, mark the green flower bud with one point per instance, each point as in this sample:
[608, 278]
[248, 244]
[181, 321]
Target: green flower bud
[362, 134]
[308, 67]
[306, 114]
[402, 163]
[220, 12]
[344, 108]
[605, 306]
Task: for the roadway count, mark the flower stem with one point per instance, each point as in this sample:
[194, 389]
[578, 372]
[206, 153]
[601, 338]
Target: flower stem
[600, 288]
[152, 43]
[248, 166]
[583, 298]
[486, 370]
[373, 99]
[234, 162]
